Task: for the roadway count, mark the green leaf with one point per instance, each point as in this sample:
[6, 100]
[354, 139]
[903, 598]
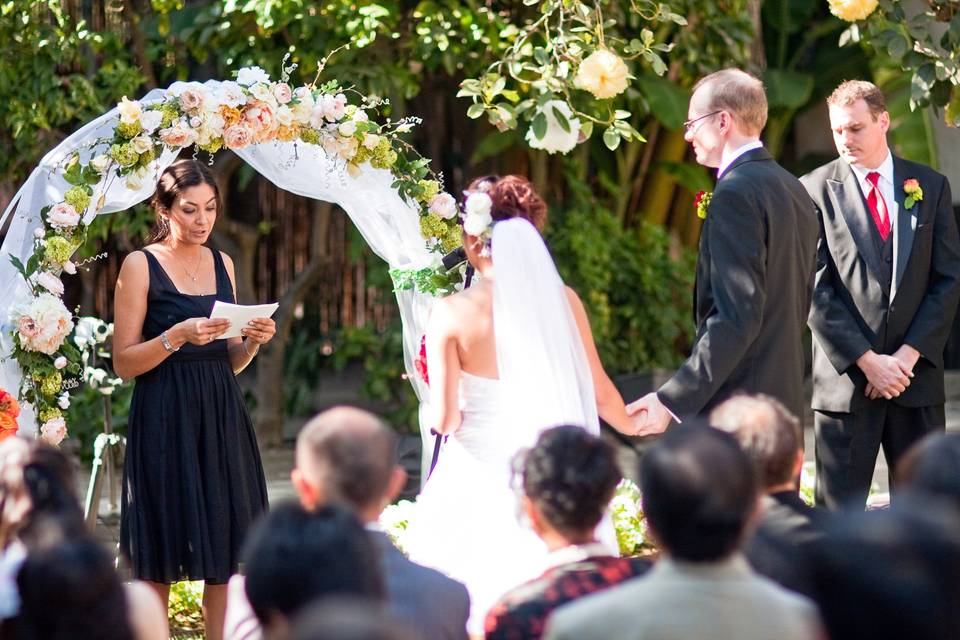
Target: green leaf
[586, 128]
[611, 138]
[898, 46]
[667, 101]
[561, 119]
[540, 125]
[788, 89]
[475, 110]
[18, 265]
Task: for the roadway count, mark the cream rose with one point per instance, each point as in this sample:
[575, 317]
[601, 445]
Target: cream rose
[347, 129]
[249, 76]
[100, 163]
[284, 115]
[141, 144]
[477, 218]
[231, 94]
[129, 110]
[603, 74]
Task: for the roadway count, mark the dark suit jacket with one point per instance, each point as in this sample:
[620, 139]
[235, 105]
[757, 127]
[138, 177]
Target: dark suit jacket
[752, 295]
[427, 600]
[850, 313]
[781, 547]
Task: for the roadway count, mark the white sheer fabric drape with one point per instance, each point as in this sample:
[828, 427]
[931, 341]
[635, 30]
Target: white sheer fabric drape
[542, 363]
[388, 224]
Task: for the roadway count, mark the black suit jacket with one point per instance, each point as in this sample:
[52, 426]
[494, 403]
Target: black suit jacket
[428, 601]
[752, 295]
[851, 314]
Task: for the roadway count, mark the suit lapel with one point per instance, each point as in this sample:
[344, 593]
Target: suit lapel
[904, 225]
[855, 211]
[750, 156]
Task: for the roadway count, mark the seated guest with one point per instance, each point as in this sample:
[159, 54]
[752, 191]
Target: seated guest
[294, 557]
[699, 496]
[773, 440]
[892, 573]
[349, 620]
[932, 467]
[348, 457]
[569, 477]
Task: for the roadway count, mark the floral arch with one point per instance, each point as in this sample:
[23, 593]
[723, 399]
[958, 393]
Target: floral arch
[319, 141]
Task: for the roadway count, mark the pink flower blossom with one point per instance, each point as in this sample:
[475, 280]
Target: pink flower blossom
[27, 327]
[60, 362]
[261, 119]
[237, 136]
[54, 431]
[63, 216]
[282, 92]
[191, 100]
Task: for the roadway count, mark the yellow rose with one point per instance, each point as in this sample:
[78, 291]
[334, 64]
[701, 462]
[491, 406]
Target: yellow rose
[603, 74]
[852, 10]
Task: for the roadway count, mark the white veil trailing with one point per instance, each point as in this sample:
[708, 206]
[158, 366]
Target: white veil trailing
[540, 354]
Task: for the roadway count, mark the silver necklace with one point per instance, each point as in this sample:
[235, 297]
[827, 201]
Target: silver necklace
[196, 272]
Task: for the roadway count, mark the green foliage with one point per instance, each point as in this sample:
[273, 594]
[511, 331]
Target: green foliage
[633, 537]
[636, 294]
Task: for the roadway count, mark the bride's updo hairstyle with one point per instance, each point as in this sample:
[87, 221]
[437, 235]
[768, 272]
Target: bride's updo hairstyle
[175, 179]
[513, 197]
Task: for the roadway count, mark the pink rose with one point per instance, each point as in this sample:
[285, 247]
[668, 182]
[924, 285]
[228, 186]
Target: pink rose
[54, 431]
[911, 185]
[191, 100]
[237, 136]
[261, 118]
[282, 92]
[63, 216]
[28, 328]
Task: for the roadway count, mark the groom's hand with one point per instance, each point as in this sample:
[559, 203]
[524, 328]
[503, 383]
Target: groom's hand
[650, 416]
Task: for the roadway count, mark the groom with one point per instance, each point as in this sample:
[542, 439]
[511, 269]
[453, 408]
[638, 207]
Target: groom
[755, 267]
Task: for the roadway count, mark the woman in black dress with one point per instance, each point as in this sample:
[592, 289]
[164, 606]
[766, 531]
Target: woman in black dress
[193, 480]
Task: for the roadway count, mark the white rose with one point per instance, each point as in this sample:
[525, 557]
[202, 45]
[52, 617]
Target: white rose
[141, 144]
[347, 128]
[249, 76]
[371, 140]
[264, 93]
[64, 400]
[214, 121]
[284, 115]
[63, 216]
[555, 138]
[100, 163]
[231, 94]
[478, 203]
[60, 362]
[475, 224]
[69, 267]
[133, 182]
[48, 281]
[38, 233]
[129, 110]
[303, 111]
[444, 205]
[150, 120]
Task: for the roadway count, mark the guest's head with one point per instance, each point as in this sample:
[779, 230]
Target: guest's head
[294, 557]
[69, 589]
[932, 467]
[768, 433]
[859, 121]
[699, 493]
[569, 477]
[187, 201]
[727, 108]
[348, 456]
[348, 620]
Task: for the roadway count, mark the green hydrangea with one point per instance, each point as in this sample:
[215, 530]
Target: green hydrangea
[78, 198]
[432, 226]
[57, 250]
[147, 157]
[49, 384]
[310, 136]
[50, 413]
[452, 239]
[129, 130]
[213, 146]
[384, 156]
[363, 155]
[170, 113]
[124, 155]
[430, 190]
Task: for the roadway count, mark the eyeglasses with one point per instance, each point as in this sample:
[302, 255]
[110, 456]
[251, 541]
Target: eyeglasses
[687, 126]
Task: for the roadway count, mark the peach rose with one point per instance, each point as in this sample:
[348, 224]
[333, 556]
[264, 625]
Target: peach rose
[237, 136]
[261, 119]
[54, 431]
[191, 100]
[179, 135]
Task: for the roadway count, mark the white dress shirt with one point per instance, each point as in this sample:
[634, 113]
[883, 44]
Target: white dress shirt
[885, 183]
[729, 156]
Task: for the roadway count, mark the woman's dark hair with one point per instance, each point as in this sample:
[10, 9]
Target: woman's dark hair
[570, 475]
[513, 197]
[69, 589]
[932, 466]
[48, 476]
[175, 179]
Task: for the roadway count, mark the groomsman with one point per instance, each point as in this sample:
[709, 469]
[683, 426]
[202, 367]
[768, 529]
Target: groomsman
[887, 287]
[755, 266]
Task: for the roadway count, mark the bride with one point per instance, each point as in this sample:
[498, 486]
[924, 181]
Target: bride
[508, 357]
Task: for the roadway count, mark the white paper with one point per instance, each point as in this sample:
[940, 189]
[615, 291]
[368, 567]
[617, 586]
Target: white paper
[240, 314]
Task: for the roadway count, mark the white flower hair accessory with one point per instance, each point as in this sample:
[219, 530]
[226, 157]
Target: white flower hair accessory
[477, 219]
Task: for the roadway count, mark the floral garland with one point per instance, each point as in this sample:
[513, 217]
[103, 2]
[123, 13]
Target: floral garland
[252, 109]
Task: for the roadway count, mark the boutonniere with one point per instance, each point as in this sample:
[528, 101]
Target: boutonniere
[914, 193]
[701, 202]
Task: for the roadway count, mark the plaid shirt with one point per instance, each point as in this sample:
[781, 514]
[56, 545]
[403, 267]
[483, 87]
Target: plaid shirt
[522, 613]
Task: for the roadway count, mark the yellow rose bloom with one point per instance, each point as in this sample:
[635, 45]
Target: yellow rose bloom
[852, 10]
[603, 74]
[230, 115]
[287, 134]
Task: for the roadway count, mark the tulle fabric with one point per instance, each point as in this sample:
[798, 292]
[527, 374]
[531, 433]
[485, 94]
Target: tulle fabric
[467, 522]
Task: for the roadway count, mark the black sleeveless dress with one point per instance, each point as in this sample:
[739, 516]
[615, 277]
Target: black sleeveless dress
[192, 479]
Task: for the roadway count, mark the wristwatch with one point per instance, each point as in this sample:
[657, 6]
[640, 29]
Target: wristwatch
[166, 343]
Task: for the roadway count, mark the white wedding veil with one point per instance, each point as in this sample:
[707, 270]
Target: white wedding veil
[540, 354]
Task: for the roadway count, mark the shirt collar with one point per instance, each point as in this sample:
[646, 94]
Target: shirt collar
[576, 553]
[885, 170]
[729, 156]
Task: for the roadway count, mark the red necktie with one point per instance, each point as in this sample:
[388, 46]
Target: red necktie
[878, 206]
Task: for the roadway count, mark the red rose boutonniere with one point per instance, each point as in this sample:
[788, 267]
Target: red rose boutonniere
[914, 193]
[701, 202]
[420, 362]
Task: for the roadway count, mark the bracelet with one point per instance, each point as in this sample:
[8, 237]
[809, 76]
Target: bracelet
[166, 343]
[250, 355]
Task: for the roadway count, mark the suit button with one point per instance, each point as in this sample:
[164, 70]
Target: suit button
[888, 260]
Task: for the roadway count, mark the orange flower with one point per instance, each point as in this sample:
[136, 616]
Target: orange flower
[8, 426]
[287, 134]
[9, 405]
[230, 115]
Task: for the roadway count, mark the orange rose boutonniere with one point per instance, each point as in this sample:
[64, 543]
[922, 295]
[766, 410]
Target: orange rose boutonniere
[914, 193]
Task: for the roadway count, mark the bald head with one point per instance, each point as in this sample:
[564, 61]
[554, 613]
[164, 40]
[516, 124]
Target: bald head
[739, 94]
[349, 456]
[768, 433]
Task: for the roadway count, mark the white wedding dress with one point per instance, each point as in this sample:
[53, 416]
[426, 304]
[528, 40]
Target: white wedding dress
[467, 521]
